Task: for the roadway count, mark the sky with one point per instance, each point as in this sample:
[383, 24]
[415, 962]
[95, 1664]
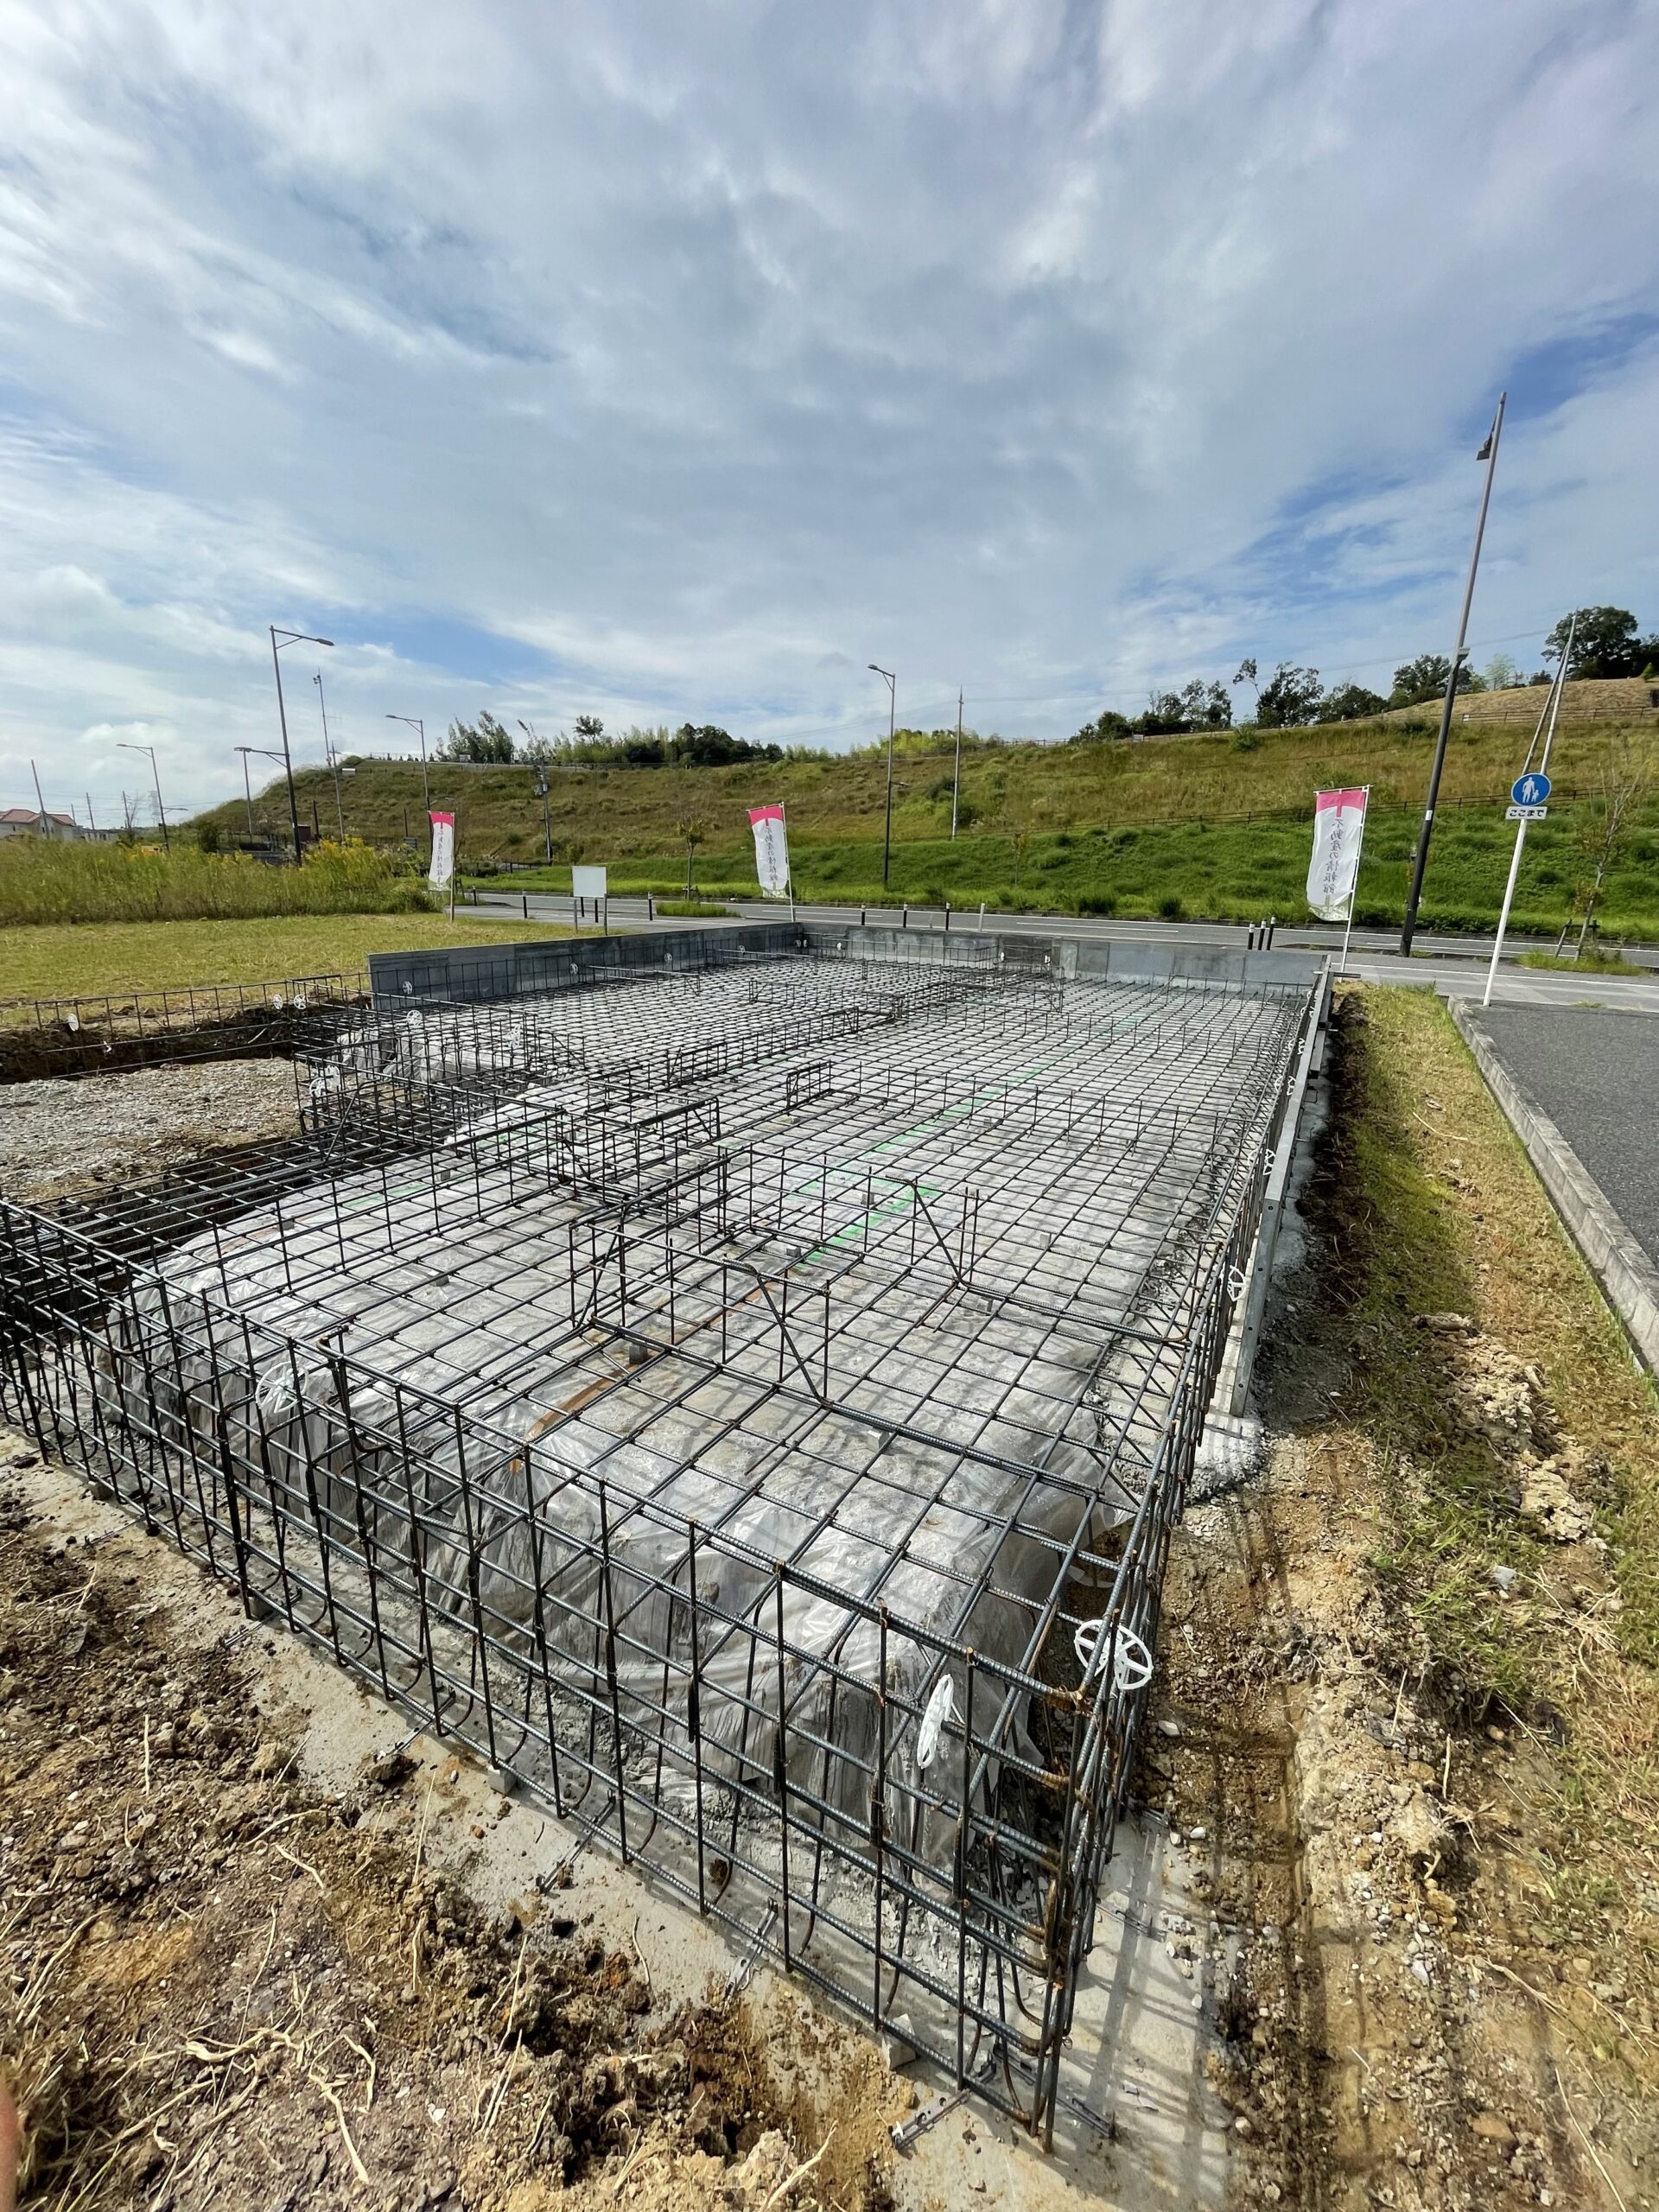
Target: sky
[666, 360]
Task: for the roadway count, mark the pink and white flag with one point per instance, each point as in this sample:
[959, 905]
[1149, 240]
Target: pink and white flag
[443, 850]
[771, 849]
[1338, 830]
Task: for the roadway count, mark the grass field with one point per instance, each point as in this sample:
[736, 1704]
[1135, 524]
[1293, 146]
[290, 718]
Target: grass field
[89, 959]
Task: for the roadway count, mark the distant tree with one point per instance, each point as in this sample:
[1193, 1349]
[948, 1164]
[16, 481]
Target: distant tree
[1161, 716]
[1350, 703]
[486, 742]
[1605, 642]
[709, 746]
[1106, 725]
[1424, 678]
[207, 836]
[1501, 673]
[1246, 674]
[1206, 706]
[1289, 699]
[589, 725]
[694, 829]
[1196, 705]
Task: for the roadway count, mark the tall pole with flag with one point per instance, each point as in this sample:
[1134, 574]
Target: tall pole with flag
[1489, 454]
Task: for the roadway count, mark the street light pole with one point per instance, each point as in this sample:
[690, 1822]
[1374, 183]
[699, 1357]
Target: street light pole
[418, 723]
[266, 753]
[333, 764]
[290, 638]
[247, 787]
[161, 811]
[956, 786]
[892, 683]
[1489, 454]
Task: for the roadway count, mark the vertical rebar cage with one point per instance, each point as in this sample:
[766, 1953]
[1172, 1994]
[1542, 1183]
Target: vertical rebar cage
[751, 1406]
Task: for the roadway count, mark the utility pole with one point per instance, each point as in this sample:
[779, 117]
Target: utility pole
[956, 787]
[540, 792]
[290, 638]
[45, 818]
[1489, 454]
[90, 824]
[892, 683]
[328, 755]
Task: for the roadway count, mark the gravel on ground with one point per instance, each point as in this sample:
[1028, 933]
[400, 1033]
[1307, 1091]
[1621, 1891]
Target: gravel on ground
[68, 1137]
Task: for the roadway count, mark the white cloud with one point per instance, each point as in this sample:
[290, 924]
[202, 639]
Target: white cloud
[695, 355]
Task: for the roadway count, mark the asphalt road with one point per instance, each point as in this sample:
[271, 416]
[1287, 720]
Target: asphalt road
[1456, 966]
[1596, 1074]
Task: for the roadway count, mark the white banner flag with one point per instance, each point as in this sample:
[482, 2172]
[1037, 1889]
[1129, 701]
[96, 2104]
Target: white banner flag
[771, 849]
[1339, 829]
[443, 850]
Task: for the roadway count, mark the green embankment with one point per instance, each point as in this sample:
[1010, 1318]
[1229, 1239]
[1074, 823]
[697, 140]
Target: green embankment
[1219, 822]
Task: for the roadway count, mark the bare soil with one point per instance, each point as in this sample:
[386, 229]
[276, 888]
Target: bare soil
[222, 1985]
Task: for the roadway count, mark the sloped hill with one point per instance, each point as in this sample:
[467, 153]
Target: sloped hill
[1622, 699]
[1007, 790]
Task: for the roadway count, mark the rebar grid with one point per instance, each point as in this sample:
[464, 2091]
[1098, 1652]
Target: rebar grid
[90, 1036]
[775, 1471]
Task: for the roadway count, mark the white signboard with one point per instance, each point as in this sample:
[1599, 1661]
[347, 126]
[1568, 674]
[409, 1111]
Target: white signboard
[443, 850]
[587, 883]
[771, 849]
[1339, 829]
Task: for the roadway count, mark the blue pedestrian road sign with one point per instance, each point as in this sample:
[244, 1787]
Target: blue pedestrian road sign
[1529, 790]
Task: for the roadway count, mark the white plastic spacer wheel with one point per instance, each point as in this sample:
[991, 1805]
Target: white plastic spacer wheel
[941, 1707]
[1131, 1661]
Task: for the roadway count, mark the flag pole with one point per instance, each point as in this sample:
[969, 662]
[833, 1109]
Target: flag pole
[1489, 454]
[1364, 816]
[1546, 723]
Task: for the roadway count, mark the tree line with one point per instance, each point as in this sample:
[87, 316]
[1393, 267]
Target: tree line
[1606, 642]
[488, 742]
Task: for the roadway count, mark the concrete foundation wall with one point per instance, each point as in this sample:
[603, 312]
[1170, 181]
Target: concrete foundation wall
[492, 971]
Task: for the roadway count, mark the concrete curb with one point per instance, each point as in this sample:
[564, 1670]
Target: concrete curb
[1614, 1257]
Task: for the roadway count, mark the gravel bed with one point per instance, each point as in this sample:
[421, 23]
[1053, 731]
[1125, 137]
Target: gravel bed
[64, 1137]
